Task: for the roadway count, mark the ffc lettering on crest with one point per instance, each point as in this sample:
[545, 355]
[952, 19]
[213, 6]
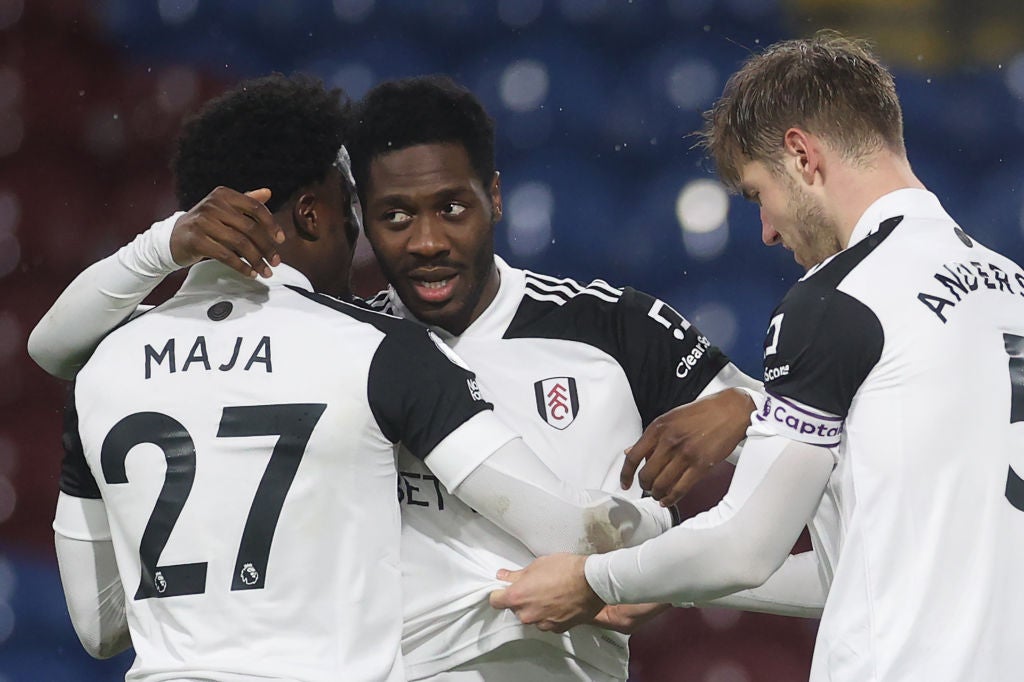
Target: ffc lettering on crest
[558, 402]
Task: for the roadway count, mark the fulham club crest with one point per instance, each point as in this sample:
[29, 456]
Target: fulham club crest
[558, 403]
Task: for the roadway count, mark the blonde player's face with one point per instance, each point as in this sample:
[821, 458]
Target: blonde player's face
[790, 215]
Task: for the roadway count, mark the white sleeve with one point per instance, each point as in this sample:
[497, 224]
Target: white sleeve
[100, 298]
[796, 589]
[88, 573]
[516, 491]
[734, 546]
[730, 376]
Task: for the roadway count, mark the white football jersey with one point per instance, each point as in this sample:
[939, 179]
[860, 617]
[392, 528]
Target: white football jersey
[906, 351]
[578, 370]
[241, 437]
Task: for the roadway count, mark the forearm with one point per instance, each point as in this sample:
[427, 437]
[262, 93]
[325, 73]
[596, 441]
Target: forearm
[728, 377]
[516, 491]
[735, 546]
[94, 595]
[89, 575]
[99, 299]
[796, 589]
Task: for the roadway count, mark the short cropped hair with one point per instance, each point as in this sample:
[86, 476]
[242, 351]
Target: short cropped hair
[433, 109]
[278, 132]
[829, 85]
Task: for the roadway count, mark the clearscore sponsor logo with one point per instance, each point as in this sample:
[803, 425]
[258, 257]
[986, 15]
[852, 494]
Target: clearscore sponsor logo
[689, 361]
[772, 373]
[779, 413]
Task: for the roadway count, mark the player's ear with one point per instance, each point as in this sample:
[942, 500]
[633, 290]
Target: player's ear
[495, 192]
[304, 217]
[802, 154]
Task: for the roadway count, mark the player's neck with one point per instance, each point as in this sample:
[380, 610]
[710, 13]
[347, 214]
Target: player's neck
[857, 187]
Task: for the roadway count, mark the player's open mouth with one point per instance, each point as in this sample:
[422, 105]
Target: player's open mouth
[435, 291]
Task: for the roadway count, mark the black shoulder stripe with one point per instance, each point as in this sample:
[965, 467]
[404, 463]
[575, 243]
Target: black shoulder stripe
[361, 313]
[834, 271]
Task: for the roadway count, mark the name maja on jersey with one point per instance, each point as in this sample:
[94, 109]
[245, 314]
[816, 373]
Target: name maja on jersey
[257, 352]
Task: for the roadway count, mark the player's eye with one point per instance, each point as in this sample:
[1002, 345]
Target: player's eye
[396, 217]
[452, 209]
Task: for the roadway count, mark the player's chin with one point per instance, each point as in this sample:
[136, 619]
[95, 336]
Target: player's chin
[437, 313]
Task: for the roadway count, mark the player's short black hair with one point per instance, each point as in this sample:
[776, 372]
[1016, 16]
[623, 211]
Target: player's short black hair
[278, 132]
[432, 109]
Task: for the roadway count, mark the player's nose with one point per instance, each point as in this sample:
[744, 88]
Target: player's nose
[429, 237]
[769, 235]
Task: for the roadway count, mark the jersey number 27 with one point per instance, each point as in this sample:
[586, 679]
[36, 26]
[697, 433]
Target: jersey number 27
[292, 423]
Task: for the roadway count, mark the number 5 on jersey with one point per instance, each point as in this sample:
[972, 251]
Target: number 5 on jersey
[292, 423]
[1014, 346]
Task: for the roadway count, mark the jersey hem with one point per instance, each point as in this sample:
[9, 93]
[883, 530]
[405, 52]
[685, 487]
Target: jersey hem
[511, 633]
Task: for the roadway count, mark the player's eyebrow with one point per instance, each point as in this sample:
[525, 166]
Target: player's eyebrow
[402, 200]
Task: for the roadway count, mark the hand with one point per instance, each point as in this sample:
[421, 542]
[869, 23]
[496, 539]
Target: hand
[228, 226]
[627, 618]
[551, 593]
[683, 445]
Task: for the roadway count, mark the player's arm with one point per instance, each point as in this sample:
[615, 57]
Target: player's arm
[226, 225]
[424, 396]
[796, 589]
[516, 491]
[89, 576]
[695, 405]
[85, 553]
[776, 487]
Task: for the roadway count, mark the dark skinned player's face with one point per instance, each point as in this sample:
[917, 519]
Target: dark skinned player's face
[430, 221]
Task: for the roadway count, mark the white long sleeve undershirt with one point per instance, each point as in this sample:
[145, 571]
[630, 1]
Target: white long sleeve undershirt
[737, 545]
[103, 296]
[796, 589]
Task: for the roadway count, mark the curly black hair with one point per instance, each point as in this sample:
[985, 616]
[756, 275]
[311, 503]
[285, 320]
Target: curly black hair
[432, 109]
[278, 132]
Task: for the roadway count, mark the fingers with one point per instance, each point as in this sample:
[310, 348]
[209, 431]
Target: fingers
[636, 454]
[257, 210]
[676, 487]
[233, 228]
[261, 195]
[499, 599]
[509, 576]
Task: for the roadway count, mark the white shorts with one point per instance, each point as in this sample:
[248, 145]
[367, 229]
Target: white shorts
[523, 660]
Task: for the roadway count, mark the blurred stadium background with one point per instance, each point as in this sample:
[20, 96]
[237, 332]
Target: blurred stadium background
[594, 101]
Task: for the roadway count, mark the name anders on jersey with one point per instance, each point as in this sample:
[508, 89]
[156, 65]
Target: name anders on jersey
[959, 279]
[802, 425]
[256, 352]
